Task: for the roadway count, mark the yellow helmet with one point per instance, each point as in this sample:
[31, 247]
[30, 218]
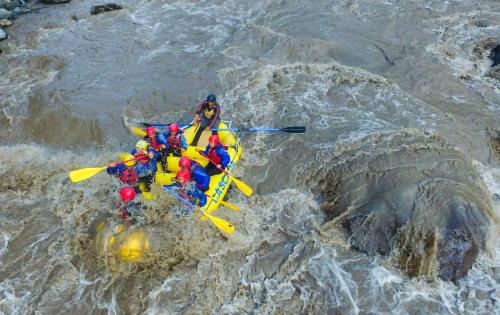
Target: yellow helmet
[128, 157]
[141, 145]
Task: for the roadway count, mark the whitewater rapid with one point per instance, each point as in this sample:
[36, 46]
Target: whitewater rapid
[72, 84]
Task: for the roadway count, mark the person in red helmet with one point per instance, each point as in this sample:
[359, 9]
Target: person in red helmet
[158, 144]
[188, 189]
[175, 140]
[125, 171]
[218, 154]
[197, 172]
[131, 212]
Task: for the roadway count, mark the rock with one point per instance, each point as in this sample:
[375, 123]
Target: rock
[5, 22]
[495, 55]
[12, 4]
[494, 73]
[482, 23]
[55, 1]
[5, 14]
[410, 196]
[98, 9]
[20, 10]
[3, 34]
[493, 137]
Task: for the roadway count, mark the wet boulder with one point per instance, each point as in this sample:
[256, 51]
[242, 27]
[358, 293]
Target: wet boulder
[12, 4]
[5, 14]
[3, 34]
[98, 9]
[410, 196]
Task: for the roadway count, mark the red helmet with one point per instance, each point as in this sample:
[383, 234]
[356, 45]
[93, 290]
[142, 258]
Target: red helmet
[127, 194]
[150, 131]
[183, 176]
[214, 139]
[173, 127]
[184, 162]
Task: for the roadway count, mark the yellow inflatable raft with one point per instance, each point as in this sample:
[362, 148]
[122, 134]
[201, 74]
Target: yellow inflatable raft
[219, 184]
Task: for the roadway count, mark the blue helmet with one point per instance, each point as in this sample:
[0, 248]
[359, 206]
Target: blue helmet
[211, 98]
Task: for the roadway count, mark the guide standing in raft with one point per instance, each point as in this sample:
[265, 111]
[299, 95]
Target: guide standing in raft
[207, 115]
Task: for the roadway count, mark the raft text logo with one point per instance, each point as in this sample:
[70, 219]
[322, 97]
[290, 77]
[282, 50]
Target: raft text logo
[222, 183]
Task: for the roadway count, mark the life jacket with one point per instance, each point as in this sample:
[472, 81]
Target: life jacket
[142, 157]
[154, 143]
[200, 176]
[174, 141]
[128, 176]
[207, 112]
[212, 153]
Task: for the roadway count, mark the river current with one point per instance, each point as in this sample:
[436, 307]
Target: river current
[72, 84]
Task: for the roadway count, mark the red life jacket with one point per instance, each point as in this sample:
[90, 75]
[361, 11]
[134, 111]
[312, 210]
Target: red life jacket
[213, 156]
[154, 144]
[142, 158]
[128, 176]
[174, 141]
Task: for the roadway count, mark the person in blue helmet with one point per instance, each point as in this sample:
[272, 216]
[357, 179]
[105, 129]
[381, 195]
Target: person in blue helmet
[207, 115]
[217, 154]
[198, 173]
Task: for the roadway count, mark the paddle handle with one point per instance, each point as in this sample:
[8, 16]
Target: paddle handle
[180, 198]
[246, 129]
[122, 162]
[164, 125]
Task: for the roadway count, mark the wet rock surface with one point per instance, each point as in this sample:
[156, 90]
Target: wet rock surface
[411, 196]
[98, 9]
[3, 34]
[493, 137]
[495, 55]
[55, 1]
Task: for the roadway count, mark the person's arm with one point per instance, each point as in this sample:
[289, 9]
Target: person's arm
[214, 117]
[198, 112]
[115, 169]
[202, 199]
[162, 139]
[206, 150]
[183, 142]
[225, 159]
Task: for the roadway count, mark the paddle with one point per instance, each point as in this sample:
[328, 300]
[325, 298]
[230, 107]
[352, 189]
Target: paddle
[226, 204]
[298, 129]
[247, 190]
[163, 125]
[221, 224]
[86, 173]
[142, 133]
[138, 131]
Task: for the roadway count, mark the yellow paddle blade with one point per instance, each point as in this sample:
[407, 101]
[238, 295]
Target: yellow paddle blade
[138, 131]
[230, 205]
[245, 189]
[85, 173]
[221, 224]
